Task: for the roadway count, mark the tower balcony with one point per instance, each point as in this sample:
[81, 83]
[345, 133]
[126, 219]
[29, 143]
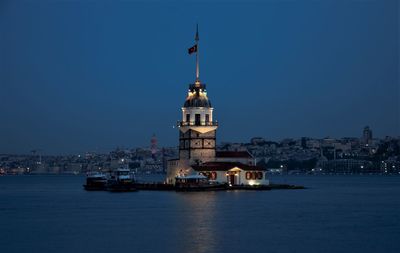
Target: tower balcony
[197, 123]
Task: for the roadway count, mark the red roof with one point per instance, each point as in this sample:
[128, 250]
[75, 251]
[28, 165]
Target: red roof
[224, 166]
[233, 154]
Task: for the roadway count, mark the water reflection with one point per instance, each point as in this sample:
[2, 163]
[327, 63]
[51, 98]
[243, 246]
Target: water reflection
[198, 221]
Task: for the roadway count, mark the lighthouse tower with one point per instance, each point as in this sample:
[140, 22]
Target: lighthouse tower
[197, 129]
[198, 156]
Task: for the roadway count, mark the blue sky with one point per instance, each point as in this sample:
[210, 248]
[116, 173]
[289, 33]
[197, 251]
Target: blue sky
[93, 75]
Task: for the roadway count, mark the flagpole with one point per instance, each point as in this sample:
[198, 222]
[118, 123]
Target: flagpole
[197, 53]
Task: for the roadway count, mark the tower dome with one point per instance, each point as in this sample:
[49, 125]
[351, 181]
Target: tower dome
[197, 96]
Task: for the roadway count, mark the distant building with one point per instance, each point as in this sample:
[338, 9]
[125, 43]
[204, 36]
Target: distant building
[153, 146]
[348, 166]
[257, 140]
[367, 136]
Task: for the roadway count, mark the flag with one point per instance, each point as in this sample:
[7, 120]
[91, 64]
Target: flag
[192, 49]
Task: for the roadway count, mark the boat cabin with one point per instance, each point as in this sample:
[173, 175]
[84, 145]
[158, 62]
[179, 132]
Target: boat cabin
[122, 174]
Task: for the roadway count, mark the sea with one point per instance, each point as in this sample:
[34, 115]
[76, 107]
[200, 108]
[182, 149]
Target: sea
[348, 213]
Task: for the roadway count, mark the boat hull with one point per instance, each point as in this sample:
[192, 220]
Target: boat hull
[95, 187]
[95, 184]
[122, 188]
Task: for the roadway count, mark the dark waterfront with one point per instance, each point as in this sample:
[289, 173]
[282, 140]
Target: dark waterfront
[336, 214]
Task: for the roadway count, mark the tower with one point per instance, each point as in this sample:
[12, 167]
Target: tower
[367, 135]
[197, 130]
[198, 157]
[153, 146]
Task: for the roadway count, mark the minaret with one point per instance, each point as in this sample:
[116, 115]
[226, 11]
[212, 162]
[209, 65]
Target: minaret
[197, 129]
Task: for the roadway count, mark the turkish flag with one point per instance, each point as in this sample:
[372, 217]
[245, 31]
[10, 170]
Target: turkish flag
[192, 49]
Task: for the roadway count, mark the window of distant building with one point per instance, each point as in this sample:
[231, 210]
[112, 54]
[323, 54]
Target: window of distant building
[207, 118]
[187, 117]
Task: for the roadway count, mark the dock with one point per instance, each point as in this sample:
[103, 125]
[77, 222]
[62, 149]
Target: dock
[158, 186]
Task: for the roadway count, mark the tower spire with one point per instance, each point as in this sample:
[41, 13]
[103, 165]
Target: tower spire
[197, 53]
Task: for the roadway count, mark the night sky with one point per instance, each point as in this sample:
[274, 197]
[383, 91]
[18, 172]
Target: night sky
[81, 76]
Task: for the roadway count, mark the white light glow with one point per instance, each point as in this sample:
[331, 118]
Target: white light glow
[252, 182]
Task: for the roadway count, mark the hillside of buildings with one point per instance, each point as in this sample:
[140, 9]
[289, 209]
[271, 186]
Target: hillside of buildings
[289, 156]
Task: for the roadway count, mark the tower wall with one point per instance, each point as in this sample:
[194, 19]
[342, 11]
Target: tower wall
[196, 146]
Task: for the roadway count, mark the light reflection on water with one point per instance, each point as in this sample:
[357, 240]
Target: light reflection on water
[199, 217]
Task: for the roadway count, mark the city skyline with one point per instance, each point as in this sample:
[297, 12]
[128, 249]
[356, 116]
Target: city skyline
[90, 77]
[220, 144]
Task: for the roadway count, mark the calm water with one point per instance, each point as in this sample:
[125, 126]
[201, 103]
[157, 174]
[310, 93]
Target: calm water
[336, 214]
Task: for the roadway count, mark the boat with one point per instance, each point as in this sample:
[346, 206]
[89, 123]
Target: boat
[96, 181]
[197, 183]
[121, 180]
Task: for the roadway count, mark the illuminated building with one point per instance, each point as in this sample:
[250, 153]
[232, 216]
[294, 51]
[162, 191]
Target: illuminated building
[197, 143]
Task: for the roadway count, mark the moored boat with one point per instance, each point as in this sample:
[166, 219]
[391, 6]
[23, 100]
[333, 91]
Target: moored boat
[96, 181]
[121, 180]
